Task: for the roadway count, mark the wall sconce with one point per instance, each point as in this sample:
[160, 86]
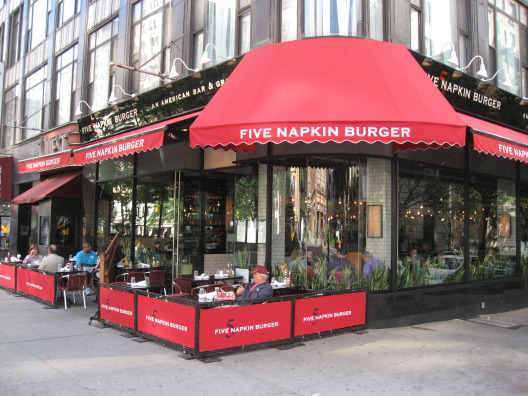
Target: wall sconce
[507, 82]
[453, 59]
[113, 99]
[482, 73]
[205, 58]
[174, 73]
[78, 112]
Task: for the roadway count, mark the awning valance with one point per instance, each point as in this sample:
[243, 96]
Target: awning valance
[142, 139]
[497, 140]
[45, 162]
[67, 185]
[328, 89]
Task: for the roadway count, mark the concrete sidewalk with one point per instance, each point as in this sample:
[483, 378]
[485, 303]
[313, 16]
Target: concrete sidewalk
[55, 352]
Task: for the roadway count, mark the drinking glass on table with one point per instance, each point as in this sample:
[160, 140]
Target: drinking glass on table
[147, 280]
[196, 274]
[132, 280]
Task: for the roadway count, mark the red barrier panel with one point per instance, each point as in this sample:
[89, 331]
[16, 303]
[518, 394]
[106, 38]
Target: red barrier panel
[7, 276]
[36, 284]
[117, 306]
[229, 327]
[166, 320]
[318, 314]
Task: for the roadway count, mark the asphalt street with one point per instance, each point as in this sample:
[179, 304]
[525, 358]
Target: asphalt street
[55, 352]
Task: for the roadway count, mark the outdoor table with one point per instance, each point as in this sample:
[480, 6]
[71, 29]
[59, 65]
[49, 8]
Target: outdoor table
[195, 282]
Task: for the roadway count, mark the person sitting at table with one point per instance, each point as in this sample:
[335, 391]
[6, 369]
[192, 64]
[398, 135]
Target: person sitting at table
[259, 289]
[370, 264]
[33, 256]
[52, 262]
[85, 261]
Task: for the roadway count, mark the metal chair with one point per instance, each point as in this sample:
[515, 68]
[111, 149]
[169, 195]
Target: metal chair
[73, 284]
[185, 285]
[157, 280]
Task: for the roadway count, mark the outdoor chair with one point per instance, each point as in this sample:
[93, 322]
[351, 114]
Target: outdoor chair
[73, 284]
[185, 285]
[157, 279]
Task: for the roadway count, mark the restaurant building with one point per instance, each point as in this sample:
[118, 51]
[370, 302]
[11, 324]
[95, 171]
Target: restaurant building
[313, 128]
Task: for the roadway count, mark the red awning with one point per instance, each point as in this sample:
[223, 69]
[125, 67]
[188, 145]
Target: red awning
[497, 140]
[328, 89]
[55, 160]
[67, 185]
[142, 139]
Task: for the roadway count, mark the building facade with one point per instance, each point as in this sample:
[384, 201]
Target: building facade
[105, 104]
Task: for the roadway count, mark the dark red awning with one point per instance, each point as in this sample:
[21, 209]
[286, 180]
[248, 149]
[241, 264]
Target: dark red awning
[147, 138]
[67, 185]
[328, 89]
[497, 140]
[55, 160]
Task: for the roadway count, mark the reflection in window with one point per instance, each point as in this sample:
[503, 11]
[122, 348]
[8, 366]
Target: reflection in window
[491, 227]
[103, 49]
[335, 17]
[508, 52]
[65, 231]
[115, 212]
[440, 28]
[66, 84]
[322, 210]
[431, 226]
[34, 103]
[44, 230]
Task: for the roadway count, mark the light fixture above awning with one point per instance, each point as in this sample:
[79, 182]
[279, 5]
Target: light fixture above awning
[143, 139]
[328, 89]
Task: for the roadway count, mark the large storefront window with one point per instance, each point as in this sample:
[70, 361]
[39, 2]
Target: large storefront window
[523, 231]
[430, 226]
[328, 216]
[492, 231]
[5, 226]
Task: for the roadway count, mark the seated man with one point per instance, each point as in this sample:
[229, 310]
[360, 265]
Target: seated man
[52, 262]
[370, 264]
[259, 289]
[86, 260]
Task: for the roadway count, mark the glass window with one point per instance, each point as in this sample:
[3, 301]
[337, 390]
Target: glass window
[66, 10]
[334, 17]
[10, 116]
[114, 213]
[245, 34]
[15, 24]
[65, 85]
[5, 226]
[289, 20]
[103, 49]
[440, 27]
[221, 19]
[430, 225]
[2, 42]
[508, 53]
[523, 231]
[492, 231]
[415, 30]
[37, 23]
[150, 19]
[36, 87]
[116, 167]
[376, 28]
[319, 223]
[65, 231]
[44, 231]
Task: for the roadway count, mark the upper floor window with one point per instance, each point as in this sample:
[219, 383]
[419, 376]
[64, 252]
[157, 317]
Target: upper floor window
[11, 117]
[103, 48]
[288, 20]
[440, 27]
[214, 23]
[244, 26]
[334, 17]
[66, 76]
[37, 22]
[15, 26]
[36, 92]
[507, 29]
[66, 9]
[149, 36]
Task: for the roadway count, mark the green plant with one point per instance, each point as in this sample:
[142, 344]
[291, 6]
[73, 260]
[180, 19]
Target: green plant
[242, 258]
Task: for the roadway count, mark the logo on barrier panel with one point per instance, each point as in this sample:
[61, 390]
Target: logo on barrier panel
[117, 306]
[36, 284]
[167, 320]
[7, 276]
[318, 314]
[237, 326]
